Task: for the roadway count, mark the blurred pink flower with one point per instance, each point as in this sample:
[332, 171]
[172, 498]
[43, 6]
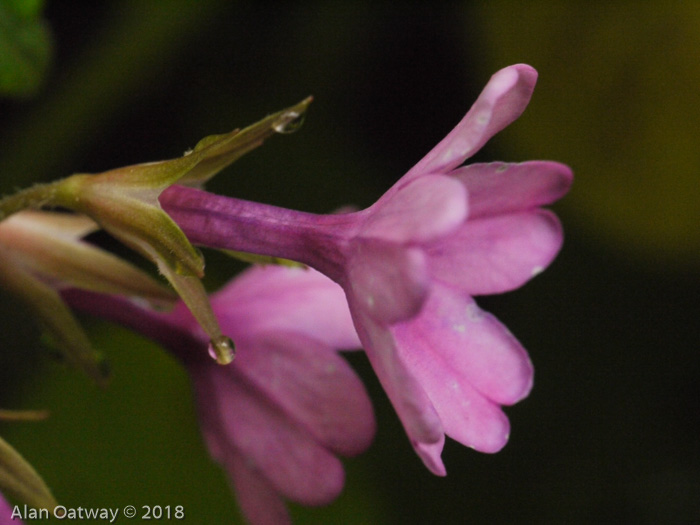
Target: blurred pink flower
[6, 513]
[410, 264]
[277, 417]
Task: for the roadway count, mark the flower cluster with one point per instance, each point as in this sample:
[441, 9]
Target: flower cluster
[397, 279]
[411, 263]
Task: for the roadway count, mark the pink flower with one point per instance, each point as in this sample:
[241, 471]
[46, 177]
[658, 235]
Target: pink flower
[278, 416]
[410, 264]
[6, 513]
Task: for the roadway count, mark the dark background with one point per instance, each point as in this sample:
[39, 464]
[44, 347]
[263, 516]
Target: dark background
[610, 431]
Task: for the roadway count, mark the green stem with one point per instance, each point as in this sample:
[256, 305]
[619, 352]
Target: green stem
[33, 197]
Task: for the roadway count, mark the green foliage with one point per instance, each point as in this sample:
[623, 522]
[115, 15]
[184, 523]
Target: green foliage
[617, 100]
[25, 47]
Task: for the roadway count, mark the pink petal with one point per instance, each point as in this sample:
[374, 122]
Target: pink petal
[421, 210]
[468, 363]
[176, 330]
[466, 415]
[472, 343]
[250, 424]
[497, 254]
[258, 500]
[389, 282]
[498, 188]
[430, 455]
[6, 513]
[406, 394]
[470, 418]
[265, 299]
[501, 102]
[315, 387]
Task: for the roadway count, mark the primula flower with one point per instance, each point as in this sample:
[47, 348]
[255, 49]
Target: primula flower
[410, 264]
[6, 513]
[280, 413]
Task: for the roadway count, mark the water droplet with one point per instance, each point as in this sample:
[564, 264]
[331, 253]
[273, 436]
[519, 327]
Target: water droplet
[537, 270]
[288, 122]
[221, 349]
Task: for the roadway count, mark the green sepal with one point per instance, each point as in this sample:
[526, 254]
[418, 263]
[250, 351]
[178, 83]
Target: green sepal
[254, 258]
[218, 151]
[54, 316]
[19, 479]
[131, 213]
[193, 294]
[125, 203]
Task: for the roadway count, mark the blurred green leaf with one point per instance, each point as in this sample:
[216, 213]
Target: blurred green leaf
[618, 100]
[25, 47]
[25, 8]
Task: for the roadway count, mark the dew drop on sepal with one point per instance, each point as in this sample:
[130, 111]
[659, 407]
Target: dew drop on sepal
[288, 122]
[222, 350]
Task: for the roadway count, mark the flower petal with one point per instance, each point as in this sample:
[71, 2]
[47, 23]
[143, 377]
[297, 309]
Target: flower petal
[501, 102]
[6, 513]
[418, 211]
[258, 500]
[265, 299]
[311, 383]
[497, 254]
[454, 332]
[498, 188]
[267, 439]
[466, 415]
[468, 364]
[175, 330]
[410, 401]
[387, 281]
[430, 455]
